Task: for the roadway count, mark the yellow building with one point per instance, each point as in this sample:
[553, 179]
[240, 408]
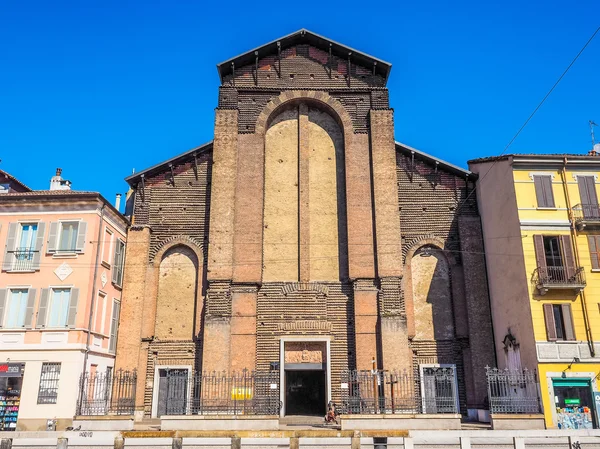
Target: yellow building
[541, 226]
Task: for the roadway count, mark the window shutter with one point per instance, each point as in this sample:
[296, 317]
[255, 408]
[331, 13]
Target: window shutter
[568, 257]
[114, 326]
[52, 237]
[550, 325]
[548, 194]
[115, 266]
[29, 310]
[593, 244]
[41, 317]
[539, 191]
[81, 231]
[2, 305]
[568, 322]
[540, 255]
[11, 244]
[39, 243]
[73, 307]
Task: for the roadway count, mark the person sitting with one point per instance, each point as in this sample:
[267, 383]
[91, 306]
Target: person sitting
[331, 415]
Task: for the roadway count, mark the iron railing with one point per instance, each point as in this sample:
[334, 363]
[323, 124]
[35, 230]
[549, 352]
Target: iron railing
[586, 213]
[373, 392]
[182, 392]
[107, 393]
[22, 259]
[512, 391]
[561, 276]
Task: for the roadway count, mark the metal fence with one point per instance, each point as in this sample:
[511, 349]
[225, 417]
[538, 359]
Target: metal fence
[107, 393]
[181, 392]
[434, 390]
[512, 391]
[559, 276]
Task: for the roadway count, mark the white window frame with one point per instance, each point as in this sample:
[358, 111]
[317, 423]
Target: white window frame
[20, 233]
[3, 319]
[108, 263]
[49, 308]
[438, 365]
[101, 295]
[59, 251]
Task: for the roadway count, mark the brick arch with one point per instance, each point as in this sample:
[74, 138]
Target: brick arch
[430, 241]
[172, 242]
[321, 98]
[408, 287]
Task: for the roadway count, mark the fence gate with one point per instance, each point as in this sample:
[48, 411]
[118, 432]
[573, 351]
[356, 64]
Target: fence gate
[438, 389]
[172, 391]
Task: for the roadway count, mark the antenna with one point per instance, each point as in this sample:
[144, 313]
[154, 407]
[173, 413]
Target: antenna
[592, 124]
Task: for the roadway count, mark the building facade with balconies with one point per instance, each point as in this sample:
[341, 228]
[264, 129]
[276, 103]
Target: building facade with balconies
[60, 292]
[541, 226]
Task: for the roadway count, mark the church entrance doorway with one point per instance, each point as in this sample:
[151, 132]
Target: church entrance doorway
[305, 377]
[305, 392]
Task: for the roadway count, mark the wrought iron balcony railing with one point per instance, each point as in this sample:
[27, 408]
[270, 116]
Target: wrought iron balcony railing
[561, 277]
[586, 214]
[23, 259]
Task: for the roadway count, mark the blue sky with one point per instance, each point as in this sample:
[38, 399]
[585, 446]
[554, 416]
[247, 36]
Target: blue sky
[102, 88]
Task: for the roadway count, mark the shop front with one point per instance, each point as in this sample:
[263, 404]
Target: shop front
[11, 382]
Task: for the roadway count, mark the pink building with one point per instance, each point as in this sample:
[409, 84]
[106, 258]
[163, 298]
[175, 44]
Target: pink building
[60, 292]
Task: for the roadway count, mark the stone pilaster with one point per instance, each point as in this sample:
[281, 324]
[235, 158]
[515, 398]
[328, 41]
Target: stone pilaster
[224, 175]
[365, 323]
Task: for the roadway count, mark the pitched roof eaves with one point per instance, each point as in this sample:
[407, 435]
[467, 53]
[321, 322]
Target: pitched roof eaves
[131, 178]
[381, 62]
[443, 163]
[12, 178]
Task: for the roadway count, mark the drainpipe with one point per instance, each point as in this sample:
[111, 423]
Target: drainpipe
[93, 301]
[586, 318]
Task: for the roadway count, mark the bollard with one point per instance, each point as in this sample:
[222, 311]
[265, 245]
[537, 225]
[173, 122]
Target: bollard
[63, 443]
[236, 443]
[177, 443]
[519, 443]
[295, 443]
[6, 443]
[409, 443]
[465, 443]
[119, 442]
[355, 441]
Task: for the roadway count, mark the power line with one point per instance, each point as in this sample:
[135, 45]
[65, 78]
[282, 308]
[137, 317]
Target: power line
[534, 112]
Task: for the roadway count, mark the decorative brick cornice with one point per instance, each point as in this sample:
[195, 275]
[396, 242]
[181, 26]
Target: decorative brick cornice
[305, 326]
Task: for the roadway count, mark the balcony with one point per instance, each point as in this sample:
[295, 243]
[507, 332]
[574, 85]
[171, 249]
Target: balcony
[586, 215]
[561, 277]
[23, 260]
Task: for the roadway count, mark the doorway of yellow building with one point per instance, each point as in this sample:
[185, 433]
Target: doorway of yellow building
[574, 402]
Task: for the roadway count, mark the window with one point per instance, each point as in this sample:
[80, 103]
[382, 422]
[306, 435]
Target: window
[594, 244]
[67, 237]
[100, 313]
[107, 247]
[117, 275]
[16, 307]
[552, 251]
[559, 322]
[23, 246]
[48, 391]
[114, 326]
[543, 190]
[59, 307]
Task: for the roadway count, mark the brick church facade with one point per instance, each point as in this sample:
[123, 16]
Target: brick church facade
[304, 238]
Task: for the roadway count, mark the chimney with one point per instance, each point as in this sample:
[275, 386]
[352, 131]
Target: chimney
[58, 183]
[118, 201]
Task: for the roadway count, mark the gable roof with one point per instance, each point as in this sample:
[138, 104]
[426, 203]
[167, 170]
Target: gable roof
[455, 169]
[304, 36]
[134, 178]
[15, 180]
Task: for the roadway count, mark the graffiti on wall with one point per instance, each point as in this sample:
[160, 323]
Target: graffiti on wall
[574, 417]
